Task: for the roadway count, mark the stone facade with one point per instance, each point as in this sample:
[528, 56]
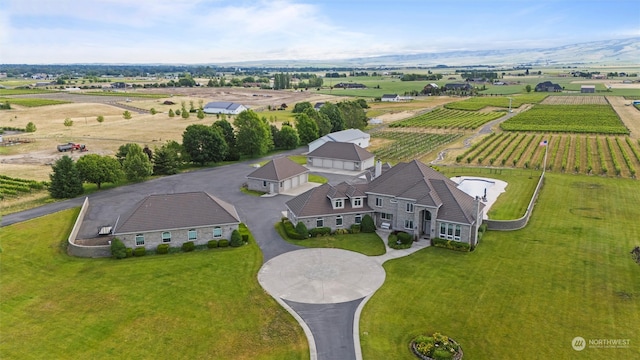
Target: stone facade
[178, 236]
[330, 220]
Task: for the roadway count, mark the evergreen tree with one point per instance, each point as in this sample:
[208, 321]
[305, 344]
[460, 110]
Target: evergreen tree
[65, 179]
[136, 164]
[165, 160]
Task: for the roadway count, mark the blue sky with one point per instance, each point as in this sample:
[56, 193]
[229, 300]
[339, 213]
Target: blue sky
[216, 31]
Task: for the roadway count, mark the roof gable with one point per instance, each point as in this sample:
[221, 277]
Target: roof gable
[342, 151]
[176, 211]
[278, 169]
[317, 202]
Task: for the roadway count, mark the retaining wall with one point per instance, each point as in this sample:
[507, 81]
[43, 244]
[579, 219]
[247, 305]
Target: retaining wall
[508, 225]
[82, 250]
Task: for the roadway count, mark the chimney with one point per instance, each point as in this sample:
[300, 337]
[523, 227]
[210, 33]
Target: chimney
[378, 170]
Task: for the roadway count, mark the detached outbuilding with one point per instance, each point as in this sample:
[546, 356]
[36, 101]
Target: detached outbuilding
[588, 89]
[224, 107]
[175, 219]
[278, 175]
[340, 156]
[354, 136]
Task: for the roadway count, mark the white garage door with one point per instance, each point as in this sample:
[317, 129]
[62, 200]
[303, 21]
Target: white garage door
[349, 165]
[328, 163]
[317, 162]
[338, 164]
[295, 181]
[287, 184]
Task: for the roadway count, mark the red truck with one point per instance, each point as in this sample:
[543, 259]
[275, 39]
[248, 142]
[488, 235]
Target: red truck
[71, 147]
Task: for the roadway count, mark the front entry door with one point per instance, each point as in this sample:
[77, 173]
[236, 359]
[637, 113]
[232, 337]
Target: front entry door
[426, 223]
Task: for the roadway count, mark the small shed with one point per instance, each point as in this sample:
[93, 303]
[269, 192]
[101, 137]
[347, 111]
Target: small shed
[588, 89]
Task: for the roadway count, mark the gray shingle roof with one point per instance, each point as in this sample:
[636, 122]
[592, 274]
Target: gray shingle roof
[341, 151]
[177, 211]
[419, 182]
[278, 169]
[315, 202]
[223, 105]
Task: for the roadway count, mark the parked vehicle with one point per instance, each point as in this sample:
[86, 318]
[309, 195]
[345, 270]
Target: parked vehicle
[71, 147]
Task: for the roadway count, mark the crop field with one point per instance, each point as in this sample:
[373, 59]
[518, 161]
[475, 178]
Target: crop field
[598, 119]
[9, 92]
[478, 103]
[404, 146]
[449, 119]
[575, 100]
[32, 102]
[581, 154]
[12, 187]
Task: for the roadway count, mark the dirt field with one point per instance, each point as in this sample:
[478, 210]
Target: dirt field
[628, 113]
[33, 160]
[574, 100]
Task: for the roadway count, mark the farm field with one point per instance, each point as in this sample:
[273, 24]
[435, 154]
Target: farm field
[481, 102]
[567, 118]
[582, 154]
[567, 274]
[182, 305]
[575, 100]
[31, 102]
[447, 119]
[404, 146]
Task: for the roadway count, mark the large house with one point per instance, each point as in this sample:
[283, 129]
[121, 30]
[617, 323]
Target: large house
[278, 175]
[457, 86]
[355, 136]
[175, 219]
[340, 156]
[410, 197]
[224, 107]
[390, 97]
[548, 86]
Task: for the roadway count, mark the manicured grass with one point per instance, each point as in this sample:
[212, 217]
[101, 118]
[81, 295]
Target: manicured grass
[477, 103]
[524, 294]
[31, 102]
[199, 305]
[511, 204]
[252, 192]
[122, 93]
[364, 243]
[318, 179]
[5, 92]
[299, 159]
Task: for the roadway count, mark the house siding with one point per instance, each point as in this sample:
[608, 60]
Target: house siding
[329, 220]
[178, 236]
[259, 184]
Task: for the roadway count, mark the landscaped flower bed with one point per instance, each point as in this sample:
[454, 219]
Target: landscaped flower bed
[436, 347]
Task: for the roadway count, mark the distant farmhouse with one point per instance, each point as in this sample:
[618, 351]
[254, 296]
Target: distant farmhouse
[457, 86]
[354, 136]
[390, 97]
[411, 197]
[548, 86]
[431, 88]
[278, 175]
[224, 107]
[349, 86]
[175, 219]
[587, 89]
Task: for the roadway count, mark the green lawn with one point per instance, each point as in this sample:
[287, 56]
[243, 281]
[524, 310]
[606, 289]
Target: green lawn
[32, 102]
[364, 243]
[200, 305]
[524, 294]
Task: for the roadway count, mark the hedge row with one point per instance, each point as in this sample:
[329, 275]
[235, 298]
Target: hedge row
[399, 240]
[450, 244]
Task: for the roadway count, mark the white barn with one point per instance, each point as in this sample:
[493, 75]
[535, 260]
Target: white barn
[224, 107]
[354, 136]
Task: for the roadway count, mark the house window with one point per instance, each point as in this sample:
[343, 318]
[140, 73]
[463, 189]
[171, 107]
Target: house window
[456, 235]
[217, 232]
[357, 202]
[339, 220]
[409, 207]
[450, 232]
[408, 224]
[281, 183]
[192, 234]
[319, 222]
[378, 202]
[338, 204]
[166, 237]
[384, 216]
[264, 183]
[443, 231]
[139, 239]
[358, 218]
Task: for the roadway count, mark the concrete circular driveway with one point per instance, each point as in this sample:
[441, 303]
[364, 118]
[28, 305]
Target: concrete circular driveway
[321, 276]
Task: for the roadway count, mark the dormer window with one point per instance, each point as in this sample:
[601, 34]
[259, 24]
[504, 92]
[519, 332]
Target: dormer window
[338, 204]
[409, 207]
[356, 202]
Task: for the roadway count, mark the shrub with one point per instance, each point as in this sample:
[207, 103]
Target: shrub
[450, 244]
[223, 243]
[392, 240]
[129, 252]
[405, 238]
[139, 251]
[31, 127]
[301, 229]
[212, 244]
[188, 246]
[341, 231]
[355, 228]
[290, 231]
[367, 225]
[236, 239]
[118, 250]
[245, 238]
[320, 231]
[162, 249]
